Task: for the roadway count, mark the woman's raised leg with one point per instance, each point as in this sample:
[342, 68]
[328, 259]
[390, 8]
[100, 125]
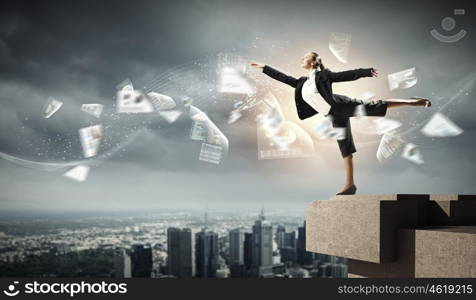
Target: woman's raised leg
[415, 101]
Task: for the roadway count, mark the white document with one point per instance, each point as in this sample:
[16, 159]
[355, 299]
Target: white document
[199, 131]
[324, 129]
[129, 100]
[441, 126]
[93, 109]
[79, 173]
[210, 153]
[213, 133]
[389, 143]
[339, 45]
[232, 81]
[384, 125]
[170, 115]
[51, 106]
[402, 80]
[161, 102]
[90, 139]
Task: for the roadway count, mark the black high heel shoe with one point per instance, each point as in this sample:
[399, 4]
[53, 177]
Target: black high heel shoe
[349, 191]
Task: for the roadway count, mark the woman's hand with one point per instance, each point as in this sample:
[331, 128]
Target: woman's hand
[374, 72]
[257, 65]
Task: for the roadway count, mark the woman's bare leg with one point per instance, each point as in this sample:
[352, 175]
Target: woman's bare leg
[349, 172]
[408, 102]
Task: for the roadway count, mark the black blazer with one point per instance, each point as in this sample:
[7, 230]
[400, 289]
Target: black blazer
[324, 80]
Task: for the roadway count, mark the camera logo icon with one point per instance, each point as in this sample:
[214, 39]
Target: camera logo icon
[449, 24]
[10, 291]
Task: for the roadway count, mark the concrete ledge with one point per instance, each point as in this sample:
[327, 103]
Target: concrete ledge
[395, 235]
[362, 227]
[445, 252]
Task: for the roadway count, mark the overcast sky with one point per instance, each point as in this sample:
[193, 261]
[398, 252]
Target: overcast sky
[78, 51]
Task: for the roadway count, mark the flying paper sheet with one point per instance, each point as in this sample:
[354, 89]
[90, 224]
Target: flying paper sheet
[324, 129]
[402, 80]
[389, 143]
[288, 142]
[199, 131]
[271, 121]
[130, 100]
[78, 173]
[278, 138]
[412, 153]
[339, 45]
[170, 115]
[440, 126]
[93, 109]
[161, 102]
[210, 153]
[283, 142]
[213, 134]
[90, 139]
[337, 133]
[232, 81]
[384, 125]
[50, 107]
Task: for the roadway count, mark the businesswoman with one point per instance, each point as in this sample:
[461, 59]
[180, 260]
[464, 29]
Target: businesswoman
[313, 94]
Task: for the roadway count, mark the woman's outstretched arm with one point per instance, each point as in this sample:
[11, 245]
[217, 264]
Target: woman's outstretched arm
[275, 74]
[352, 74]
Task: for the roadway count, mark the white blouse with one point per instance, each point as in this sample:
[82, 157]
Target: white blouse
[311, 95]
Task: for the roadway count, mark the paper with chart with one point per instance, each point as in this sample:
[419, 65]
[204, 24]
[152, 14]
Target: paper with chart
[389, 143]
[129, 100]
[210, 153]
[204, 129]
[90, 139]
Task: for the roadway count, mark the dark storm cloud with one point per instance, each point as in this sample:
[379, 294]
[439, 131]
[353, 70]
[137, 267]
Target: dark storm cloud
[78, 51]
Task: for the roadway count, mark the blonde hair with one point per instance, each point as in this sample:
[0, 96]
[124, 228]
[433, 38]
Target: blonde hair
[317, 62]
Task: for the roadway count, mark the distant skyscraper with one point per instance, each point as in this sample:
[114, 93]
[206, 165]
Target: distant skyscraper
[303, 257]
[248, 249]
[141, 260]
[262, 250]
[237, 250]
[180, 262]
[289, 239]
[206, 253]
[279, 235]
[288, 254]
[122, 264]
